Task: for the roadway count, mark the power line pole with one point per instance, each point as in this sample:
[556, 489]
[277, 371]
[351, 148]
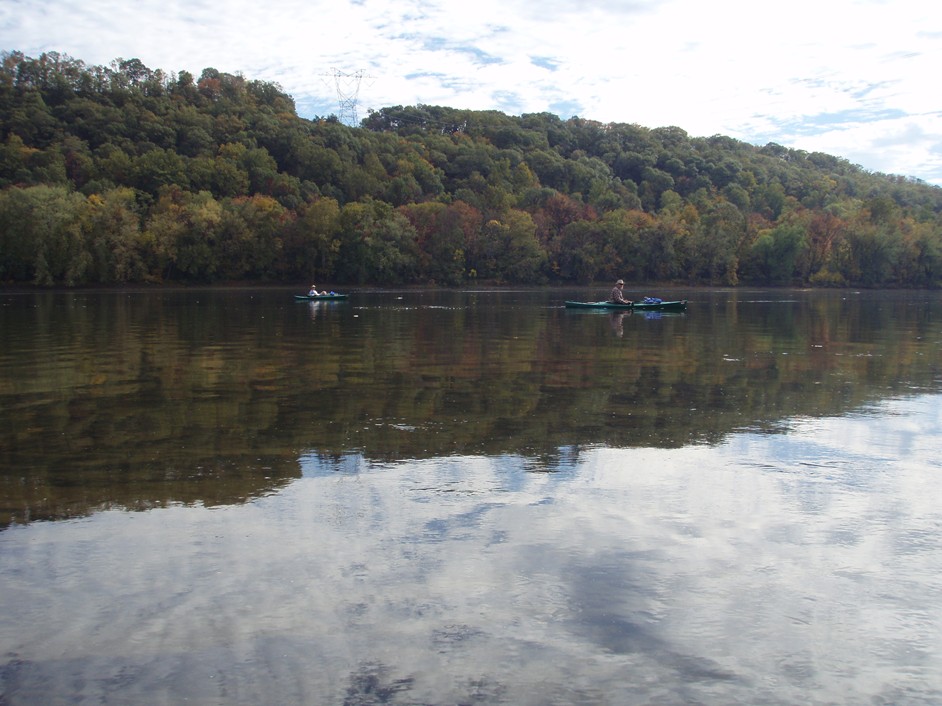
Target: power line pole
[347, 86]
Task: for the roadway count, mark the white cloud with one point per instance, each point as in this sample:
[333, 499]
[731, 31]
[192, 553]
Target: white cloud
[850, 77]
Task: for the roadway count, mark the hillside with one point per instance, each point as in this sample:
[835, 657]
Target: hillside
[126, 174]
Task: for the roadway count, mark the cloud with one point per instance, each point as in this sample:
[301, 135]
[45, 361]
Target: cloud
[545, 62]
[848, 77]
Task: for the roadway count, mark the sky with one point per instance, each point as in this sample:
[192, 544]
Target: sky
[852, 78]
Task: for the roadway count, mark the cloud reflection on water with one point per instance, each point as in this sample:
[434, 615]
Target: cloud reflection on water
[770, 569]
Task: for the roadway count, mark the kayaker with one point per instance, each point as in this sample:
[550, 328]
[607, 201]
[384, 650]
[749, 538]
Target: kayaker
[314, 292]
[617, 297]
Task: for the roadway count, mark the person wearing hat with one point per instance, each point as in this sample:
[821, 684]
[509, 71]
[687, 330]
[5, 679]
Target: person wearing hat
[617, 297]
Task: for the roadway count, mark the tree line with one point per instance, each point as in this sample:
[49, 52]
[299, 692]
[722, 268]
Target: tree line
[124, 174]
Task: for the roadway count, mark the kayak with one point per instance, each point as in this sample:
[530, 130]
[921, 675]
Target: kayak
[679, 305]
[319, 297]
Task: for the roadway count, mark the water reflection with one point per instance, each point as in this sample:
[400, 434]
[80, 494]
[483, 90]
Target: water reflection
[766, 569]
[143, 399]
[617, 320]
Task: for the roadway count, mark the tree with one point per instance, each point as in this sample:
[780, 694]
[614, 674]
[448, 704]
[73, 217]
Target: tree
[377, 244]
[721, 232]
[14, 161]
[40, 236]
[556, 213]
[441, 243]
[580, 252]
[654, 182]
[873, 250]
[824, 232]
[184, 229]
[312, 245]
[920, 258]
[250, 236]
[443, 194]
[774, 255]
[508, 249]
[158, 168]
[117, 247]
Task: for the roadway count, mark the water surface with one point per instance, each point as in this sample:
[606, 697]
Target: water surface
[222, 496]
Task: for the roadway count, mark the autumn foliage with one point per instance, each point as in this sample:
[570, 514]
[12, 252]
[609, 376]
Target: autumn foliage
[125, 174]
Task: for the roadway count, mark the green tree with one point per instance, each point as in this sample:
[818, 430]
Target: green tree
[508, 249]
[40, 236]
[377, 244]
[14, 161]
[873, 251]
[312, 245]
[722, 230]
[580, 252]
[774, 256]
[250, 237]
[920, 258]
[158, 168]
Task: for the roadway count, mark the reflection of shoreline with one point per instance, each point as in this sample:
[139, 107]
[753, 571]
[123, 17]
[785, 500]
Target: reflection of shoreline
[139, 402]
[74, 492]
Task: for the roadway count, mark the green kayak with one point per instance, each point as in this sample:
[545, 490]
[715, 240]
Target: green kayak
[679, 305]
[319, 297]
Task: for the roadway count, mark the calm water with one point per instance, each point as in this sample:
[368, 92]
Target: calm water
[227, 497]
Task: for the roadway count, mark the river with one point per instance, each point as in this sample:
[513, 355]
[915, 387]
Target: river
[224, 496]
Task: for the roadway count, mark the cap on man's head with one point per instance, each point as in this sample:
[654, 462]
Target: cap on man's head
[621, 281]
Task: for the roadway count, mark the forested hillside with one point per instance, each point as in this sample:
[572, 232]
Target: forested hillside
[126, 174]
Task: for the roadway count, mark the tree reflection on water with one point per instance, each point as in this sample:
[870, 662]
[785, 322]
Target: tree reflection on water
[144, 399]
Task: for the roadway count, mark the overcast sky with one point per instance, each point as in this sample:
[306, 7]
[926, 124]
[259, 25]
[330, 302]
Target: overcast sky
[853, 78]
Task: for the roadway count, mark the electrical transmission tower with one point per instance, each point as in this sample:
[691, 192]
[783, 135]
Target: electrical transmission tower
[348, 91]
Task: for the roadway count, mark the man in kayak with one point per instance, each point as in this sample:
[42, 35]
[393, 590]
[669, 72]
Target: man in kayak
[617, 297]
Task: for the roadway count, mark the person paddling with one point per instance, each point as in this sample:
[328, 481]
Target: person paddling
[617, 297]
